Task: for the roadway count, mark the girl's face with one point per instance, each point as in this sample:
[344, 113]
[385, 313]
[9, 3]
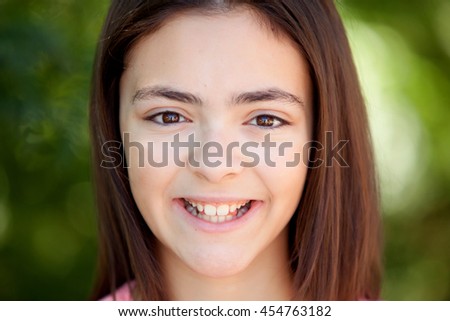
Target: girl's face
[212, 111]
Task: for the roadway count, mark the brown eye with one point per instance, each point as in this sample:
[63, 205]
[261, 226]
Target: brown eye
[267, 121]
[167, 118]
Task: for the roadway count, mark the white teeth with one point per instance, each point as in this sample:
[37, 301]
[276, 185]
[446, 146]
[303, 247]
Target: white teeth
[223, 210]
[242, 210]
[216, 214]
[240, 205]
[210, 209]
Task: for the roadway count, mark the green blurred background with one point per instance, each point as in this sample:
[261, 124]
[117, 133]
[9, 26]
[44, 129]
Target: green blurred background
[47, 218]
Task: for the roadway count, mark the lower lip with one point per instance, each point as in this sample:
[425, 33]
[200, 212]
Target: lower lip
[211, 227]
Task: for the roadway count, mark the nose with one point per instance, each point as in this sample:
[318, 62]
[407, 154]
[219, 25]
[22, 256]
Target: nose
[219, 156]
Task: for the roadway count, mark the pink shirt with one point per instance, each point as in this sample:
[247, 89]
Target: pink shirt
[122, 294]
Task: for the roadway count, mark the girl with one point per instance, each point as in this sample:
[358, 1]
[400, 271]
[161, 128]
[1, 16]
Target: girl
[247, 170]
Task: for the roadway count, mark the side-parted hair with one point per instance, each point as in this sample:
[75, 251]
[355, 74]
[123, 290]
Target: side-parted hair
[334, 235]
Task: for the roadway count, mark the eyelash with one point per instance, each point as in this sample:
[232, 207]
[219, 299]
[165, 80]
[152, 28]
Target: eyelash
[159, 119]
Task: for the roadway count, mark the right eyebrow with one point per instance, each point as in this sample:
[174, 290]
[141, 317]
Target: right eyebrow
[166, 92]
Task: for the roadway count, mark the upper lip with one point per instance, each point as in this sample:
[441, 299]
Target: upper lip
[217, 200]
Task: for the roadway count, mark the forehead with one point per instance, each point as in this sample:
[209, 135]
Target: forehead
[229, 49]
[190, 25]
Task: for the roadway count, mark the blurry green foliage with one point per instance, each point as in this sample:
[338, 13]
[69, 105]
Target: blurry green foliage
[47, 218]
[403, 51]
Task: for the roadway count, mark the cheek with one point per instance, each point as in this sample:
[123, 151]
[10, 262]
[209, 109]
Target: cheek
[285, 181]
[286, 184]
[147, 187]
[149, 173]
[144, 183]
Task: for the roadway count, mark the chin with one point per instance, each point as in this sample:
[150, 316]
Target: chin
[219, 264]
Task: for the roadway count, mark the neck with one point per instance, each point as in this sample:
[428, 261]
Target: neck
[268, 277]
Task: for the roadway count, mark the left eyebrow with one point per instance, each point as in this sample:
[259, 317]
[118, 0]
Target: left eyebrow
[271, 94]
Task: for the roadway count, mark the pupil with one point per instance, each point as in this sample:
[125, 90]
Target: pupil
[170, 118]
[264, 120]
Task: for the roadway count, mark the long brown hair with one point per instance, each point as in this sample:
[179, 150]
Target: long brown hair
[334, 234]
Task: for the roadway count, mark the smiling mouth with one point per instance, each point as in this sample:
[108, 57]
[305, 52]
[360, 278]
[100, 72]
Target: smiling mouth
[217, 213]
